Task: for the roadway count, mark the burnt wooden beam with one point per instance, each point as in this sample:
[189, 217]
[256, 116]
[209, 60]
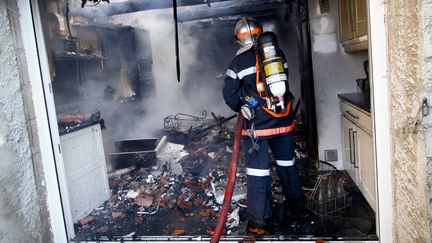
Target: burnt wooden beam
[307, 79]
[143, 5]
[244, 9]
[200, 6]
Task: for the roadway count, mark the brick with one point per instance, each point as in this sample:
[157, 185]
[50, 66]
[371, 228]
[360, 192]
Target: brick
[103, 229]
[144, 201]
[118, 215]
[86, 220]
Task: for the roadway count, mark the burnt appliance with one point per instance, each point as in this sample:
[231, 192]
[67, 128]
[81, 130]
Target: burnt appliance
[138, 152]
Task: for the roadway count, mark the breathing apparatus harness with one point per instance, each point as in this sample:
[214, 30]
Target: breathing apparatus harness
[270, 83]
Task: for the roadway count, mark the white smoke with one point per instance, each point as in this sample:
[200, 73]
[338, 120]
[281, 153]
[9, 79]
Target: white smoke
[173, 97]
[204, 56]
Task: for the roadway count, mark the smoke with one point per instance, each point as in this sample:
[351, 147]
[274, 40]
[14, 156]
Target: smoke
[199, 88]
[206, 48]
[202, 67]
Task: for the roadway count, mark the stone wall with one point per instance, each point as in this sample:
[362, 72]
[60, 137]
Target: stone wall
[410, 191]
[427, 80]
[22, 215]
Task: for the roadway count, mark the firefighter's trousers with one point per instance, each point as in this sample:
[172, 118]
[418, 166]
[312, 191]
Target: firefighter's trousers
[259, 199]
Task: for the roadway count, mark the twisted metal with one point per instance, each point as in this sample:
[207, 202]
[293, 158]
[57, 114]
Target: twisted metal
[185, 123]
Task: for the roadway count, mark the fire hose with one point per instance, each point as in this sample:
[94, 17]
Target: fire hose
[223, 213]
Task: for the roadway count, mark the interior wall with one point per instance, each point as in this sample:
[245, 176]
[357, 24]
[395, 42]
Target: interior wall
[335, 72]
[22, 219]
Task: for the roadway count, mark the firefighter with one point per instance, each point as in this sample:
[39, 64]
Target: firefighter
[269, 123]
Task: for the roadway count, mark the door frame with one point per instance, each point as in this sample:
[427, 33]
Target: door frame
[49, 139]
[377, 34]
[57, 197]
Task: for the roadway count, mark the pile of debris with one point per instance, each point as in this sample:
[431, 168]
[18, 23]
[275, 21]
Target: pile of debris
[184, 190]
[180, 195]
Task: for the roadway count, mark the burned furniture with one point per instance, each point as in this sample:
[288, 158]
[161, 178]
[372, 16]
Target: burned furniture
[138, 152]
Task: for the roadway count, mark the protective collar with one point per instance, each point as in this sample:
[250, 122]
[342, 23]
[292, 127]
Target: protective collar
[244, 48]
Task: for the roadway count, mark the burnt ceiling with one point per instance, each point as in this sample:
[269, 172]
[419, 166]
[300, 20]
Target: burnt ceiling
[193, 10]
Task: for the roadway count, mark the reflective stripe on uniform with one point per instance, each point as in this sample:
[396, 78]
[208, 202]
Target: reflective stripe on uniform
[270, 131]
[285, 162]
[246, 72]
[285, 65]
[230, 73]
[257, 172]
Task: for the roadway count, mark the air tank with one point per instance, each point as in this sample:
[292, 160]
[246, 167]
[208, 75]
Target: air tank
[272, 62]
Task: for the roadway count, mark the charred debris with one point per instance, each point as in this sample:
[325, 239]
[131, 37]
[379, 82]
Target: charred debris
[177, 192]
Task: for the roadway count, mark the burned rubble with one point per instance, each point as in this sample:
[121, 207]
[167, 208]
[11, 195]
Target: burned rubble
[180, 195]
[184, 188]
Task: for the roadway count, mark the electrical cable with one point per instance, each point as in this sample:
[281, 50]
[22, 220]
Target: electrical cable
[67, 18]
[176, 40]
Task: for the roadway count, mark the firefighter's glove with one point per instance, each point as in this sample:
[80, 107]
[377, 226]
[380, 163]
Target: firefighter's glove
[248, 109]
[247, 112]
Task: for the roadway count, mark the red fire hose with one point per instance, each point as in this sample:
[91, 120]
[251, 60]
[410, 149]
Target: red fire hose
[217, 233]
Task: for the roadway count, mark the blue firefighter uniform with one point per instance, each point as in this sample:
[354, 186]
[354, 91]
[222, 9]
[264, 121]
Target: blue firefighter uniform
[270, 132]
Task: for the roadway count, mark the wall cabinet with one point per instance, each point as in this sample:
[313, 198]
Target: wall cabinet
[353, 25]
[358, 159]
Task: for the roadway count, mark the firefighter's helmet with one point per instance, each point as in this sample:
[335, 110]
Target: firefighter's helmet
[245, 30]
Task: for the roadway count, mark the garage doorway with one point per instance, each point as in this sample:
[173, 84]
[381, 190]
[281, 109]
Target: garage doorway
[376, 103]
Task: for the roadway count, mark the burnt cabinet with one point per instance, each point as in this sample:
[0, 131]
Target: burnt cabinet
[358, 159]
[353, 25]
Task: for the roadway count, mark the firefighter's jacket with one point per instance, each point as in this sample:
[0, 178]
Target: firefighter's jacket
[240, 81]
